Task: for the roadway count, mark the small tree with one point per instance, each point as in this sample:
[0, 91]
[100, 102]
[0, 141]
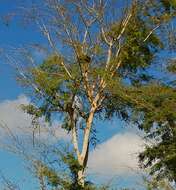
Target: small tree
[98, 65]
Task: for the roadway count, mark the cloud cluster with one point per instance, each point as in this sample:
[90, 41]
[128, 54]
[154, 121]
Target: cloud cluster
[117, 156]
[20, 123]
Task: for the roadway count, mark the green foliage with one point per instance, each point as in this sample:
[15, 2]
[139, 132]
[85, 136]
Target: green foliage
[50, 76]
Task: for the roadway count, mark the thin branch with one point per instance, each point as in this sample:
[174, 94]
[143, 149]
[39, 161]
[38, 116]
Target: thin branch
[104, 36]
[151, 32]
[46, 32]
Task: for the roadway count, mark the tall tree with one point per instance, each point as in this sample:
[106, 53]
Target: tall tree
[98, 65]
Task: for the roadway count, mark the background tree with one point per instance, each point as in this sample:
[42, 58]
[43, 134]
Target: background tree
[160, 123]
[98, 66]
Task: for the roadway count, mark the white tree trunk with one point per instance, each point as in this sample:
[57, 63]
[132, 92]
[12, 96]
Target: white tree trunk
[81, 179]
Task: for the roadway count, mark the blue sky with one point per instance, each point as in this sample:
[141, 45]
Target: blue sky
[12, 35]
[16, 35]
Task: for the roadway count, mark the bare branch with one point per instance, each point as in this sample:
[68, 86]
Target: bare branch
[124, 25]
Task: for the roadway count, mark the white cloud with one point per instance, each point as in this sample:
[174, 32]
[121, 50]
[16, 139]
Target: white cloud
[12, 115]
[19, 122]
[116, 156]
